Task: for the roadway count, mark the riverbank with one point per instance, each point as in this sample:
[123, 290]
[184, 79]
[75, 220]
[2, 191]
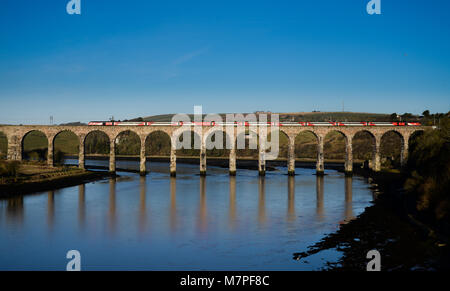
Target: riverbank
[32, 177]
[404, 243]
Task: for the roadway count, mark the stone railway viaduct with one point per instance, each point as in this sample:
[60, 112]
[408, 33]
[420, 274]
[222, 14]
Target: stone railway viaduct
[16, 134]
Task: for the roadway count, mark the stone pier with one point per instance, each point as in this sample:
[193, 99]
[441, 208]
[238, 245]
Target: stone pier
[320, 168]
[376, 160]
[232, 162]
[348, 166]
[81, 156]
[203, 158]
[173, 161]
[291, 157]
[404, 151]
[143, 158]
[50, 151]
[262, 152]
[112, 155]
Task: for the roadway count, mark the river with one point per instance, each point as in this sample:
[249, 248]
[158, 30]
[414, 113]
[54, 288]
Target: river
[189, 222]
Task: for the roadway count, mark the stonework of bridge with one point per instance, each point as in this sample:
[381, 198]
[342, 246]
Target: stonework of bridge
[15, 136]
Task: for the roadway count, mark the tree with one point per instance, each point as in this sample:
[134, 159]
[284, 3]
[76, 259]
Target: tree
[426, 113]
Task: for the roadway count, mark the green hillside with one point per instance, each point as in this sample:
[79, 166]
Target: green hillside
[304, 116]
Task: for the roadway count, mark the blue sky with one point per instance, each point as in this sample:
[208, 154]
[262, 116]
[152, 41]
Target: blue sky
[138, 58]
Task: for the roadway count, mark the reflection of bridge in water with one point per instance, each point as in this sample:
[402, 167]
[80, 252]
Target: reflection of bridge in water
[16, 134]
[15, 205]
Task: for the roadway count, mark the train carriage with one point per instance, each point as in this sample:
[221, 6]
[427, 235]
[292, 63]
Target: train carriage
[300, 123]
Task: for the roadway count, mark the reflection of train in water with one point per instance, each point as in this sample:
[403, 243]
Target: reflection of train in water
[246, 123]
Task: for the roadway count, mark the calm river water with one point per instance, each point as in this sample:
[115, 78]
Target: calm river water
[189, 222]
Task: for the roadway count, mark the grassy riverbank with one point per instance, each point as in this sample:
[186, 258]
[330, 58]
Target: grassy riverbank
[25, 177]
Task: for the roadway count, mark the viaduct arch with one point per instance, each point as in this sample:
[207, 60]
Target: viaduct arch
[16, 134]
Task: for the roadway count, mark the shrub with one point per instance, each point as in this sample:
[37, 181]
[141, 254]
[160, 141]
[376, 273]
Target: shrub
[9, 169]
[429, 181]
[58, 157]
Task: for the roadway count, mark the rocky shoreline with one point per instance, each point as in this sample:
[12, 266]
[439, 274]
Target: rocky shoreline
[404, 243]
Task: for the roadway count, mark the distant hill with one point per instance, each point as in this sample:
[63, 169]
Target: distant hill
[302, 116]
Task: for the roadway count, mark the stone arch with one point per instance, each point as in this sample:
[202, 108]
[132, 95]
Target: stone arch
[96, 142]
[194, 139]
[3, 146]
[127, 142]
[306, 142]
[34, 144]
[65, 142]
[210, 136]
[283, 140]
[335, 145]
[158, 143]
[392, 145]
[248, 151]
[363, 144]
[308, 131]
[280, 129]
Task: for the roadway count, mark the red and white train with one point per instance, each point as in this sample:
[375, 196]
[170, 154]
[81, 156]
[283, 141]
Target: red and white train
[301, 123]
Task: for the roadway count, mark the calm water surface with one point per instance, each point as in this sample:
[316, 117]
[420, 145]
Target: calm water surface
[189, 222]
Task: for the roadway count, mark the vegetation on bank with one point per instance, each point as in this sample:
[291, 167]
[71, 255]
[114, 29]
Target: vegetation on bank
[428, 183]
[9, 169]
[21, 178]
[13, 172]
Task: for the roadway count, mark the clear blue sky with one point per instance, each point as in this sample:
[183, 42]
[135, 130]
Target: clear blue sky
[142, 57]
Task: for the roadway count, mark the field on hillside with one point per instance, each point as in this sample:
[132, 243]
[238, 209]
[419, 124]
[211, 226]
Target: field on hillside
[296, 116]
[334, 116]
